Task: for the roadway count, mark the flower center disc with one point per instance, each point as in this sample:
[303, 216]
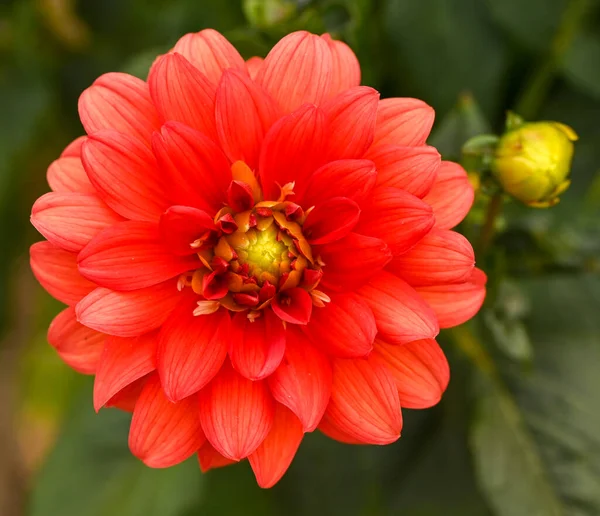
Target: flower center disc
[255, 256]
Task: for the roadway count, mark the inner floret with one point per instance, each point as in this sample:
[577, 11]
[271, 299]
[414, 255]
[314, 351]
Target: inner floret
[256, 258]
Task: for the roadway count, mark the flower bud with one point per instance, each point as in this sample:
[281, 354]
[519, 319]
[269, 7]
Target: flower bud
[532, 161]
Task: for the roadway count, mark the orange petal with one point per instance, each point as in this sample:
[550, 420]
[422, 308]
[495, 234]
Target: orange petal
[253, 65]
[420, 369]
[344, 327]
[351, 118]
[71, 220]
[401, 314]
[456, 303]
[128, 314]
[125, 174]
[352, 178]
[396, 217]
[330, 221]
[413, 169]
[66, 174]
[403, 121]
[79, 346]
[196, 171]
[297, 71]
[164, 433]
[211, 53]
[345, 68]
[236, 413]
[182, 93]
[352, 261]
[273, 457]
[191, 349]
[451, 196]
[56, 270]
[303, 380]
[120, 102]
[123, 361]
[364, 401]
[244, 113]
[209, 458]
[73, 150]
[442, 256]
[292, 150]
[256, 348]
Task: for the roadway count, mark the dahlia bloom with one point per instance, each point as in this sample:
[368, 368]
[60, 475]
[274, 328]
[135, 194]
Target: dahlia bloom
[254, 250]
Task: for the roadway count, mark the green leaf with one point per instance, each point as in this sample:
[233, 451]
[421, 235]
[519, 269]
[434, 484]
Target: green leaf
[536, 442]
[441, 49]
[91, 472]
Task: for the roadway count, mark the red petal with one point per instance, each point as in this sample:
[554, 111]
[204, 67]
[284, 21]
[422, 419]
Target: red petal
[57, 271]
[344, 328]
[123, 362]
[126, 175]
[180, 226]
[196, 171]
[403, 121]
[127, 397]
[131, 255]
[71, 220]
[352, 261]
[128, 314]
[397, 217]
[331, 220]
[244, 113]
[80, 347]
[209, 458]
[364, 401]
[253, 65]
[191, 349]
[236, 413]
[451, 196]
[211, 53]
[297, 71]
[182, 94]
[293, 305]
[352, 178]
[401, 314]
[256, 348]
[73, 150]
[442, 256]
[273, 457]
[351, 117]
[67, 174]
[456, 303]
[292, 150]
[121, 102]
[333, 432]
[303, 380]
[420, 369]
[239, 196]
[413, 169]
[345, 69]
[163, 433]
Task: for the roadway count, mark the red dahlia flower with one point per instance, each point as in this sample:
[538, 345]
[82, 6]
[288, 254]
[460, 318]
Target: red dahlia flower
[252, 251]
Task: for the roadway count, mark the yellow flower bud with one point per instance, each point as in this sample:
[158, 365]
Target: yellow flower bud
[533, 160]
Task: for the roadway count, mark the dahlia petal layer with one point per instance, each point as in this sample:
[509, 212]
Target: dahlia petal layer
[254, 250]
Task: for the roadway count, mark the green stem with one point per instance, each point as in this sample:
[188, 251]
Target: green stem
[536, 90]
[488, 230]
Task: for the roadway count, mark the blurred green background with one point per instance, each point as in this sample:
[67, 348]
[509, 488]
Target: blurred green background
[518, 433]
